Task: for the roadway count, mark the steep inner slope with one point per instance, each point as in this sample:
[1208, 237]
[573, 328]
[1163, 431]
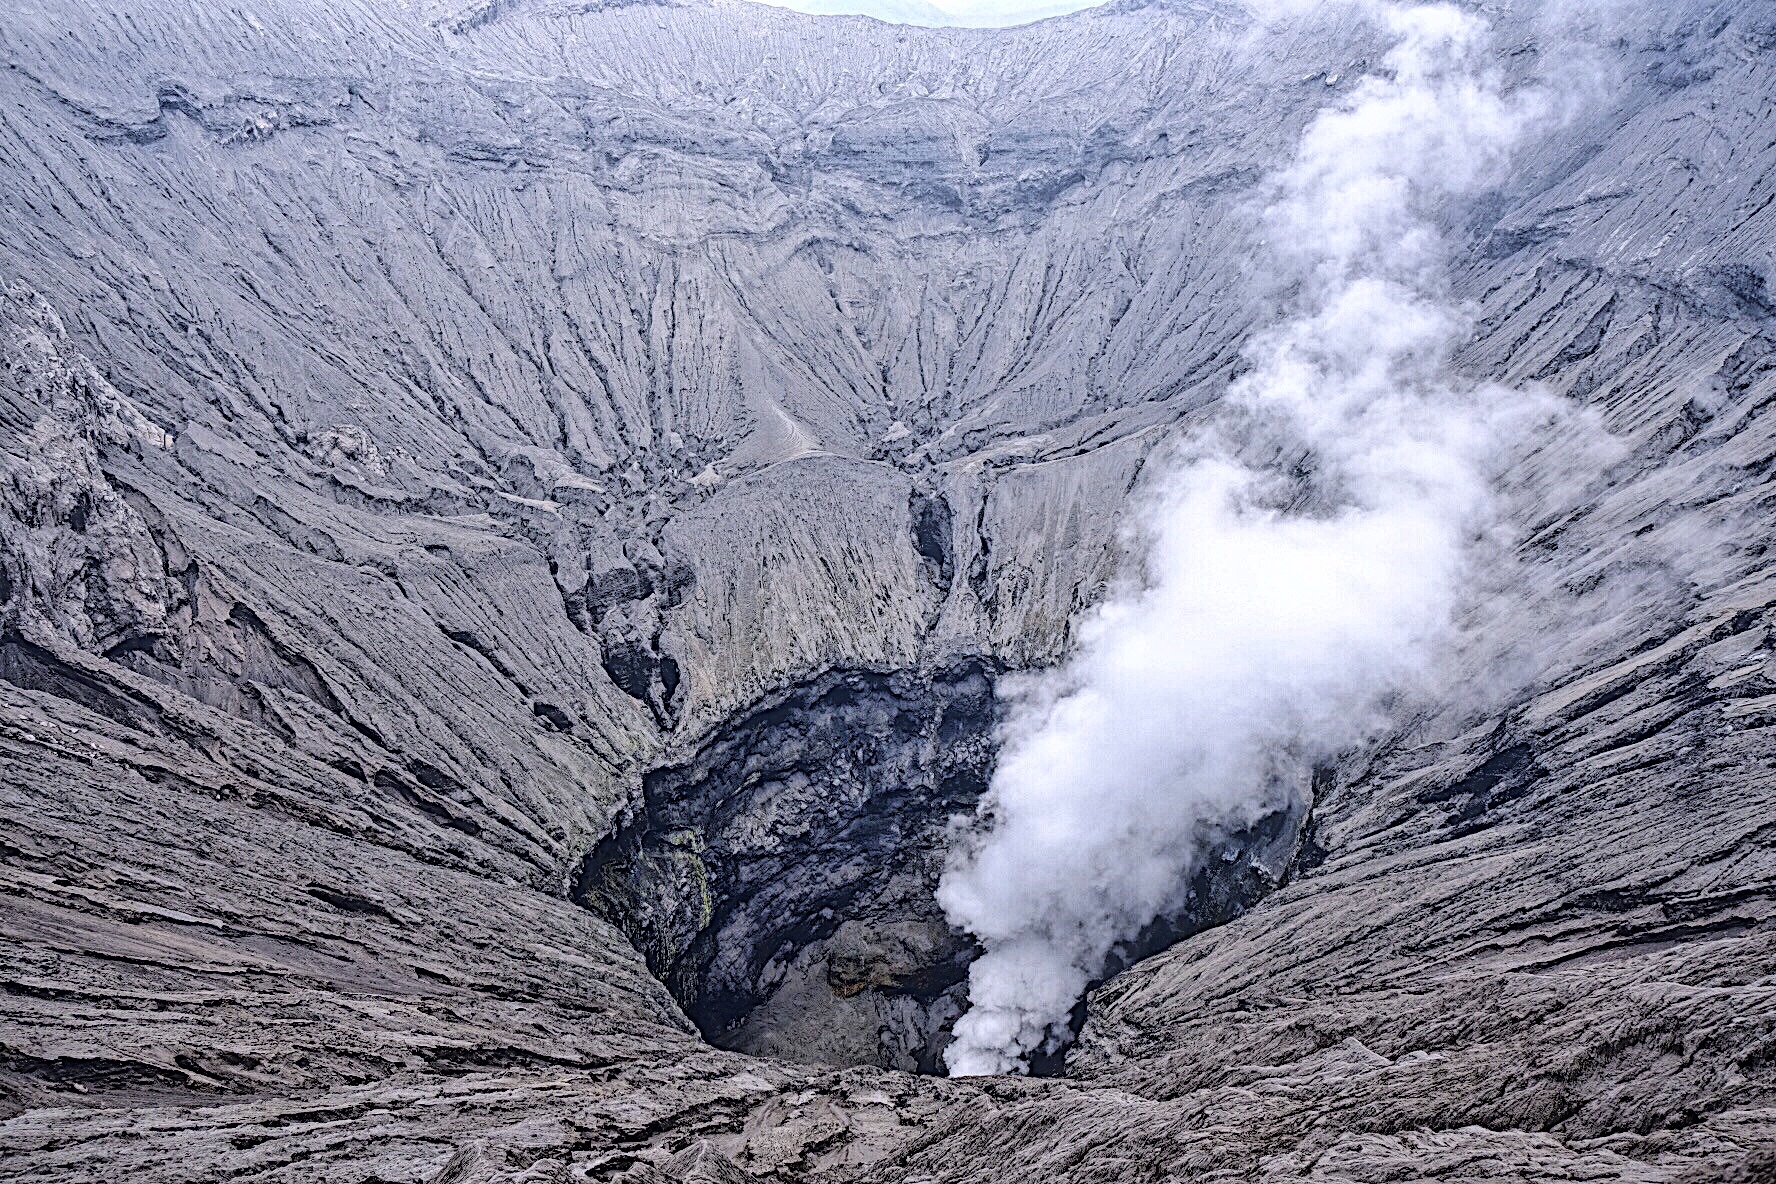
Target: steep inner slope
[438, 439]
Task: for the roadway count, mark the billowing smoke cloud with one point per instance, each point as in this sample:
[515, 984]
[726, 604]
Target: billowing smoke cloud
[1304, 566]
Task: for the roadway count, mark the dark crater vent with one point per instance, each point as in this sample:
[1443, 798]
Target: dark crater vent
[780, 881]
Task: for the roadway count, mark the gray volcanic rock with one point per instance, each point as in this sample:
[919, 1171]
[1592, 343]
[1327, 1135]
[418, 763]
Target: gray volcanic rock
[436, 437]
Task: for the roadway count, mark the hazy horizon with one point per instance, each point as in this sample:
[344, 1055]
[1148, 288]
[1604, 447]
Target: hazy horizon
[941, 13]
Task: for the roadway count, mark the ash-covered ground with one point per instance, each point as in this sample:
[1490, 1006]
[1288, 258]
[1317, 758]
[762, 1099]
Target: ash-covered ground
[513, 512]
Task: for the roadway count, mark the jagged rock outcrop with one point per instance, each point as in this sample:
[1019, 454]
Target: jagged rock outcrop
[428, 429]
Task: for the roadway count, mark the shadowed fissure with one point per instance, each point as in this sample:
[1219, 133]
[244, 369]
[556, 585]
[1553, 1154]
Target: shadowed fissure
[780, 882]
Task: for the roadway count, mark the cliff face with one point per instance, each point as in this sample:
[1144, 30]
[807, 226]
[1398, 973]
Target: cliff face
[510, 512]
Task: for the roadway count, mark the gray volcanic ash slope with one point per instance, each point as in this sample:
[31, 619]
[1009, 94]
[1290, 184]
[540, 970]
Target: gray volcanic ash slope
[514, 513]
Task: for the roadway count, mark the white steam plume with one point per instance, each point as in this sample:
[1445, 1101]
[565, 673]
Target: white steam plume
[1281, 612]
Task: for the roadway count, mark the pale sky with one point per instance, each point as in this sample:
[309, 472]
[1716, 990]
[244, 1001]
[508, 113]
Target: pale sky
[978, 13]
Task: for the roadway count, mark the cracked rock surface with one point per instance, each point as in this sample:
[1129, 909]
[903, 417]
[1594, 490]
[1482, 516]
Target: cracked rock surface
[436, 437]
